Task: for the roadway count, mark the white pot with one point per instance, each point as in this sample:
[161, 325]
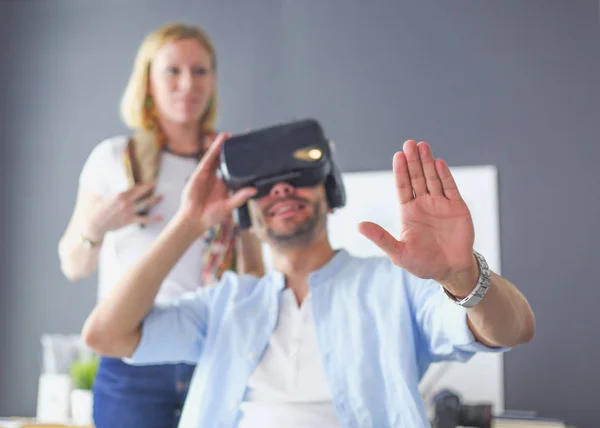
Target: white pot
[82, 407]
[53, 399]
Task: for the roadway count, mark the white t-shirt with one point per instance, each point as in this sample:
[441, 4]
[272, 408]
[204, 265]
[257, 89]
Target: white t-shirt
[288, 388]
[104, 173]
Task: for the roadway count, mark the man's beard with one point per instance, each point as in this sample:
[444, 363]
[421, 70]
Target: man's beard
[303, 234]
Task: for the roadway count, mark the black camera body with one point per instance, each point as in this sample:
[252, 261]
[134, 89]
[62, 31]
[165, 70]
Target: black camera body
[297, 153]
[451, 413]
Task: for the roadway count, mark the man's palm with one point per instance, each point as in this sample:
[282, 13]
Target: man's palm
[206, 198]
[436, 235]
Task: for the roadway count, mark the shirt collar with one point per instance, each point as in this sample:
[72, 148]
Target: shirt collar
[328, 270]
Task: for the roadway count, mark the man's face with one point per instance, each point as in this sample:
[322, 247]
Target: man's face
[290, 216]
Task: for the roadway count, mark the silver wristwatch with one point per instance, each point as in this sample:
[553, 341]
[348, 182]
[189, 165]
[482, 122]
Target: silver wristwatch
[480, 290]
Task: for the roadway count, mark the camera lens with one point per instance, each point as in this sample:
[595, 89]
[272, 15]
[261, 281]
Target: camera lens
[479, 416]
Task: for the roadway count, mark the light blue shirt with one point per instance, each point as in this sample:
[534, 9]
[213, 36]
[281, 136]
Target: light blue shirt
[378, 329]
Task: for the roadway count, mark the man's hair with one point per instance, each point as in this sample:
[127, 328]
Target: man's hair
[133, 110]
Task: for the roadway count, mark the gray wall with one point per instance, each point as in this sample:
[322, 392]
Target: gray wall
[511, 83]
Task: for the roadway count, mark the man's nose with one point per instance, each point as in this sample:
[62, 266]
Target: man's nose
[281, 190]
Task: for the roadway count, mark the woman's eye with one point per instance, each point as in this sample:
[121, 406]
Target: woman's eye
[200, 71]
[173, 70]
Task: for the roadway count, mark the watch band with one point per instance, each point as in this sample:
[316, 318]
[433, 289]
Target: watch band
[480, 290]
[87, 242]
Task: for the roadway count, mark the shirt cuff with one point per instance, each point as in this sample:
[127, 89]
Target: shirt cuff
[144, 351]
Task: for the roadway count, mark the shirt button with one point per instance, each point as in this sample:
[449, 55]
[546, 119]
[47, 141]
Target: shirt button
[251, 356]
[234, 404]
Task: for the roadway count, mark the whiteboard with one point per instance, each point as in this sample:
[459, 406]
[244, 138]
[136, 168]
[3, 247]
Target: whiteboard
[371, 196]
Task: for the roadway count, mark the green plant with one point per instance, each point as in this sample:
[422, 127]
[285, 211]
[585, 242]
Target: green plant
[83, 372]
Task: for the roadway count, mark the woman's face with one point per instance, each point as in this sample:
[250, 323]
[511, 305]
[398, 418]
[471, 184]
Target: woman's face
[181, 81]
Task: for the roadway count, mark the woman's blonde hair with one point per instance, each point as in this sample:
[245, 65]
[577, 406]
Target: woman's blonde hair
[135, 111]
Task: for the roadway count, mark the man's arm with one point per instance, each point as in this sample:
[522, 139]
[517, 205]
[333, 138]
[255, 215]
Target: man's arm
[503, 318]
[114, 327]
[436, 242]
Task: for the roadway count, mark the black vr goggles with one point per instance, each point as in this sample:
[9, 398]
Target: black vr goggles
[296, 153]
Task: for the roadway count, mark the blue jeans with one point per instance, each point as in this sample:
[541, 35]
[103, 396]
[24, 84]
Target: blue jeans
[127, 396]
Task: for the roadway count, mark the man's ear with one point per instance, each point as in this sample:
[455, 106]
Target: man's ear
[325, 199]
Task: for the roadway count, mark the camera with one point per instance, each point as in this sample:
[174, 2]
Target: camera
[451, 413]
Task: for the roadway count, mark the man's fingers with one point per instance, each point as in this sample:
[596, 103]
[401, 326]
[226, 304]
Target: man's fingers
[415, 168]
[382, 238]
[240, 197]
[212, 154]
[448, 183]
[210, 160]
[402, 179]
[432, 179]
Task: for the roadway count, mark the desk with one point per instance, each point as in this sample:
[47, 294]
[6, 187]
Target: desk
[16, 422]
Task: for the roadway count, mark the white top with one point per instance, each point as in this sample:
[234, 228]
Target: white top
[288, 387]
[104, 173]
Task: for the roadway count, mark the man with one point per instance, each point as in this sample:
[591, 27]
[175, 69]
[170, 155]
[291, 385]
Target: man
[325, 339]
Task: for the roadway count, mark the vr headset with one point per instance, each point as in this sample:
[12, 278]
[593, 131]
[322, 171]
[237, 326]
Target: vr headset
[296, 153]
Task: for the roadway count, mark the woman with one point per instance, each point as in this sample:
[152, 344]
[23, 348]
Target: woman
[129, 187]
